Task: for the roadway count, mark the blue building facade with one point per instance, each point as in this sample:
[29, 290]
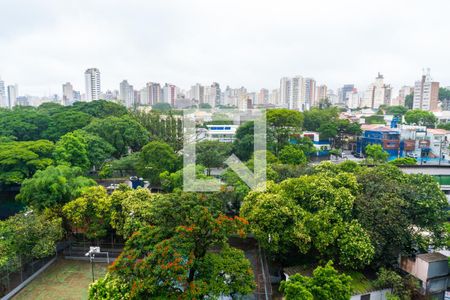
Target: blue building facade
[388, 139]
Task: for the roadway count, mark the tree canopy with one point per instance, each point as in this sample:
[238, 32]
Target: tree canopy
[20, 160]
[420, 117]
[171, 258]
[53, 186]
[155, 158]
[325, 283]
[310, 213]
[123, 133]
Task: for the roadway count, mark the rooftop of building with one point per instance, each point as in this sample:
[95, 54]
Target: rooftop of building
[437, 131]
[432, 257]
[377, 127]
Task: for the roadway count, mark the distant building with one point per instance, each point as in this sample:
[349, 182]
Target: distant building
[197, 93]
[92, 81]
[126, 94]
[3, 97]
[274, 97]
[22, 101]
[426, 94]
[310, 93]
[67, 98]
[332, 97]
[297, 92]
[221, 133]
[13, 92]
[263, 97]
[378, 93]
[402, 93]
[352, 99]
[154, 92]
[343, 92]
[321, 94]
[169, 94]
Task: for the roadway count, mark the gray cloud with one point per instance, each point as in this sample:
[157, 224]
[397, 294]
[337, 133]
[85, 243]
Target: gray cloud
[252, 43]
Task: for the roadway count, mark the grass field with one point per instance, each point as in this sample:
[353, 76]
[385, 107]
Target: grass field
[65, 279]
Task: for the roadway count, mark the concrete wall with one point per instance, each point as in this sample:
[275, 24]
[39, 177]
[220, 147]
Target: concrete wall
[375, 295]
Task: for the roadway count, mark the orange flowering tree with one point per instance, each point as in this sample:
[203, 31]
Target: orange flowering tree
[184, 254]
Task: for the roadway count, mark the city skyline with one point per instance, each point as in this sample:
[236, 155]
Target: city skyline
[250, 44]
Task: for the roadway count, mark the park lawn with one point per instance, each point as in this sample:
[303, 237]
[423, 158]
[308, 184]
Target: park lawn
[63, 280]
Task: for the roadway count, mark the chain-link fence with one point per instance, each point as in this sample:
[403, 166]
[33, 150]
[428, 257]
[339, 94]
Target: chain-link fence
[17, 273]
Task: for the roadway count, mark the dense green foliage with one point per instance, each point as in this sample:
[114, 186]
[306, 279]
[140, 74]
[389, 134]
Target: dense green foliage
[53, 186]
[324, 284]
[408, 205]
[20, 160]
[212, 154]
[404, 161]
[281, 124]
[376, 154]
[171, 258]
[123, 133]
[313, 214]
[421, 117]
[166, 127]
[155, 158]
[27, 236]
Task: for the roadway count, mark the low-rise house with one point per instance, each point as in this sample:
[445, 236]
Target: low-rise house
[221, 133]
[432, 271]
[322, 146]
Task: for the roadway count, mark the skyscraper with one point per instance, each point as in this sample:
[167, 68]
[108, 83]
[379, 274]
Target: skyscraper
[67, 98]
[169, 94]
[426, 93]
[378, 93]
[310, 93]
[402, 93]
[321, 93]
[263, 97]
[3, 99]
[343, 92]
[352, 99]
[13, 92]
[92, 80]
[126, 94]
[293, 92]
[154, 93]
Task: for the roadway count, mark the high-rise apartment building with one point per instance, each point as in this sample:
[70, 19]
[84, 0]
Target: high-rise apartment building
[343, 92]
[13, 93]
[352, 99]
[321, 93]
[3, 98]
[402, 93]
[426, 94]
[378, 93]
[274, 97]
[126, 94]
[293, 92]
[67, 98]
[154, 90]
[169, 94]
[197, 93]
[92, 81]
[263, 97]
[310, 94]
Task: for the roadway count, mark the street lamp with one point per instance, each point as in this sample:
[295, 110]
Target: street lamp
[91, 254]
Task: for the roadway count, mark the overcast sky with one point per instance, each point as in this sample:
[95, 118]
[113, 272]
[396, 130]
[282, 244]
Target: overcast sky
[251, 43]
